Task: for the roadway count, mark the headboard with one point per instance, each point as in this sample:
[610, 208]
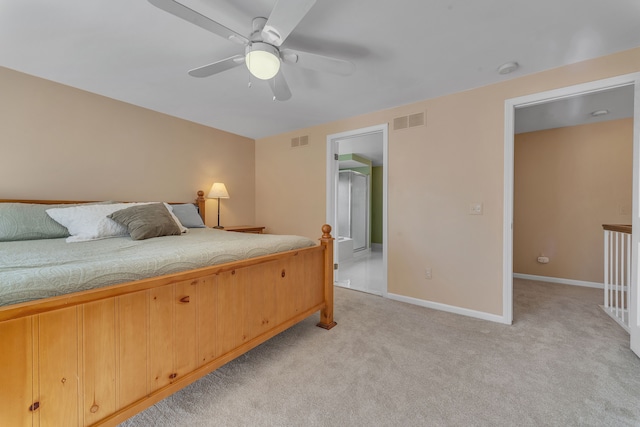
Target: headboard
[199, 202]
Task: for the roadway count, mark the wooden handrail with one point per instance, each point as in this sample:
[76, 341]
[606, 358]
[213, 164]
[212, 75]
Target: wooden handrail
[622, 228]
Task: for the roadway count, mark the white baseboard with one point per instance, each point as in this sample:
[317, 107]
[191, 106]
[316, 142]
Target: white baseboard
[488, 316]
[559, 280]
[449, 308]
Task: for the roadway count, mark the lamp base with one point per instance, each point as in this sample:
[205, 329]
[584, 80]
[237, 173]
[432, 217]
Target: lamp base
[217, 226]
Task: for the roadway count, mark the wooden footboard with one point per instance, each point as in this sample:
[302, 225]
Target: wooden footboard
[98, 357]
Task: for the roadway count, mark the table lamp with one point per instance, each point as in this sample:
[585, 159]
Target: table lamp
[218, 191]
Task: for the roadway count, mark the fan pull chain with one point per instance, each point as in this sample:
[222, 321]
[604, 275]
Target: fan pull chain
[248, 72]
[274, 87]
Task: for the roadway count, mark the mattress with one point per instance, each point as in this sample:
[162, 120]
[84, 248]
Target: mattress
[35, 269]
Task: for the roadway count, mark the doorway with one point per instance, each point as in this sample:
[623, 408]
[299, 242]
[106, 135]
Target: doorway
[559, 94]
[357, 171]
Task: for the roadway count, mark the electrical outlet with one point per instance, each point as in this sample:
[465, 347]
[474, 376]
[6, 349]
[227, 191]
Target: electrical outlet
[427, 273]
[475, 208]
[624, 209]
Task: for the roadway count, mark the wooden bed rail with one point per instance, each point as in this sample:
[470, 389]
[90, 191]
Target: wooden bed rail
[98, 357]
[40, 306]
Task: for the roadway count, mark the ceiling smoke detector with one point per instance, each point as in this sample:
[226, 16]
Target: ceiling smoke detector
[508, 67]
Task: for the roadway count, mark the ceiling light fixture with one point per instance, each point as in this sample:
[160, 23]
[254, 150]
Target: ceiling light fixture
[262, 60]
[508, 67]
[599, 113]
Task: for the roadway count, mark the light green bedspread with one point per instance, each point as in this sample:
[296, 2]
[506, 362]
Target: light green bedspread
[36, 269]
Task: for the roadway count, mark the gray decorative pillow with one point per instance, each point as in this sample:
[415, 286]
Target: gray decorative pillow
[188, 215]
[29, 221]
[147, 221]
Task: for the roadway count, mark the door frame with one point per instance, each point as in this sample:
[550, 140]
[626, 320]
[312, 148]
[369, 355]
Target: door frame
[509, 127]
[332, 185]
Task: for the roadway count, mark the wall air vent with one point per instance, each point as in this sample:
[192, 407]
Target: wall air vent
[416, 120]
[300, 141]
[400, 123]
[410, 121]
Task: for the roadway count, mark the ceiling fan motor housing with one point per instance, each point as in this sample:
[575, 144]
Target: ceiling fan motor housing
[257, 25]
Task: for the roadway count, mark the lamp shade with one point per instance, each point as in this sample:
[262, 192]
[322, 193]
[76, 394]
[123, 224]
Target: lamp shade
[262, 60]
[218, 191]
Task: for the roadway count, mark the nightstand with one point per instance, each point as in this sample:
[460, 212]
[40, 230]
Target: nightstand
[245, 229]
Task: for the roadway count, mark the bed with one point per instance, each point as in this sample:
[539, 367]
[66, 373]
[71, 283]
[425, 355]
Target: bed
[79, 353]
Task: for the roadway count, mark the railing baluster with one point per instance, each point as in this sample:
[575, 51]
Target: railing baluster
[616, 251]
[617, 272]
[612, 273]
[607, 261]
[628, 281]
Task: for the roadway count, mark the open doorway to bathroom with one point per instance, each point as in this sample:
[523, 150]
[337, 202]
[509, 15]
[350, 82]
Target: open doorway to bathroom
[356, 207]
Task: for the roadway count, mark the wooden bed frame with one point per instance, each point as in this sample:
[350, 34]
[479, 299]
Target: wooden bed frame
[99, 357]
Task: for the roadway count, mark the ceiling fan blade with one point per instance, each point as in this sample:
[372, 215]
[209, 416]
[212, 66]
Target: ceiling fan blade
[318, 62]
[217, 67]
[181, 11]
[279, 87]
[285, 16]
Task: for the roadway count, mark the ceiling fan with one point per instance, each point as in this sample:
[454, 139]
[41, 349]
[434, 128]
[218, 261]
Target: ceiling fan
[262, 49]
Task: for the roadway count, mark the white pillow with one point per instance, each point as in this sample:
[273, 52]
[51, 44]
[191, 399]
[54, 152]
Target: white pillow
[90, 222]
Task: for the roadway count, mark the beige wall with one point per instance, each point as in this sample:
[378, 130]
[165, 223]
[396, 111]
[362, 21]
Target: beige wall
[434, 173]
[567, 183]
[63, 143]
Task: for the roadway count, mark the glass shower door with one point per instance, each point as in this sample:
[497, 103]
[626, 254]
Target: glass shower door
[359, 211]
[353, 208]
[344, 204]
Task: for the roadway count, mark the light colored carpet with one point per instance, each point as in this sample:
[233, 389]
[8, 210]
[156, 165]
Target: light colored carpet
[563, 362]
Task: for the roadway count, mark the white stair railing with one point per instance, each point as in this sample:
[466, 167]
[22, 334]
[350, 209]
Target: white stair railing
[617, 272]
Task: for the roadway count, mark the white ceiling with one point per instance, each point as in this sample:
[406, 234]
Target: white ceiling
[404, 51]
[576, 110]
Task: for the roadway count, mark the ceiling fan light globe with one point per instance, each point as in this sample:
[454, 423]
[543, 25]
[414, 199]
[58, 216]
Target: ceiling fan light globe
[262, 61]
